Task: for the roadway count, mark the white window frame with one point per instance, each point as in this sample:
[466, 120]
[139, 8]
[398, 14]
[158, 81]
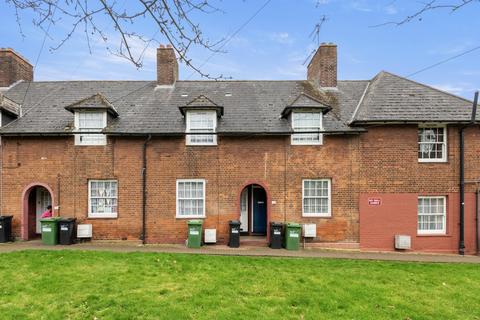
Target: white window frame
[443, 231]
[318, 214]
[100, 214]
[189, 141]
[445, 142]
[306, 143]
[177, 214]
[78, 137]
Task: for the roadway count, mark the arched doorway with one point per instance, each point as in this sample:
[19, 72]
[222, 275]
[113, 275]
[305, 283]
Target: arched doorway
[253, 210]
[36, 198]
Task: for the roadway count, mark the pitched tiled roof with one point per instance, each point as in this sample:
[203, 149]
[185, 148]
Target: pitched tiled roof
[390, 98]
[249, 106]
[305, 101]
[201, 103]
[94, 102]
[145, 108]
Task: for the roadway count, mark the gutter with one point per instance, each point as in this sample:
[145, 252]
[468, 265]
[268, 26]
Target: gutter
[179, 134]
[143, 237]
[461, 131]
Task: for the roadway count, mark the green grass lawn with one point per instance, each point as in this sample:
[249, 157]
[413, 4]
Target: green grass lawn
[103, 285]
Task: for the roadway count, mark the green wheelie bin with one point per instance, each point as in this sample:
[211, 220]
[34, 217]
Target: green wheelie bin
[50, 231]
[293, 232]
[194, 233]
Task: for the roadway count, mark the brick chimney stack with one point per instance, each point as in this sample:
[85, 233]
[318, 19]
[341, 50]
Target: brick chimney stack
[167, 66]
[323, 66]
[13, 67]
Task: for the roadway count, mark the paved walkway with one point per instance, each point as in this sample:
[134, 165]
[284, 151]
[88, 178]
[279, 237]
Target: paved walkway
[127, 246]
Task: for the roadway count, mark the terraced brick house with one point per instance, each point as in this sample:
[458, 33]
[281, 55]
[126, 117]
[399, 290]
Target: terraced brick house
[364, 161]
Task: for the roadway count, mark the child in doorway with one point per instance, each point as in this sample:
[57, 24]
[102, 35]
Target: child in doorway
[48, 213]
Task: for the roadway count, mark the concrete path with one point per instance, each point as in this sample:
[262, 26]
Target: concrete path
[133, 246]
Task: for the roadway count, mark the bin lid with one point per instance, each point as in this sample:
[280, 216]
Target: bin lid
[195, 222]
[5, 217]
[276, 224]
[234, 222]
[293, 225]
[53, 219]
[62, 219]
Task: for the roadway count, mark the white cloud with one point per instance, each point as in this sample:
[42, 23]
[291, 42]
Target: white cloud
[461, 89]
[360, 6]
[281, 37]
[391, 9]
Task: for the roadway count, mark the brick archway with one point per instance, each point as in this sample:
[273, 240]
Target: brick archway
[25, 206]
[269, 201]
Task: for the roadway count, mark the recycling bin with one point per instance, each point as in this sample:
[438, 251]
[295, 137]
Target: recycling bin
[276, 237]
[293, 232]
[6, 229]
[194, 233]
[234, 234]
[50, 231]
[66, 231]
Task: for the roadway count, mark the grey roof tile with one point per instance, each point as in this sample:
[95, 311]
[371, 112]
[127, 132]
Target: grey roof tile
[144, 107]
[249, 106]
[393, 98]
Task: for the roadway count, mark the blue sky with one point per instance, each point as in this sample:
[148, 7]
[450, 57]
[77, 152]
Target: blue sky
[276, 43]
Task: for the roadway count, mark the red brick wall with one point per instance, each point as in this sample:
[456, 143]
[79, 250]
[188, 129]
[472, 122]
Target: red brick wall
[227, 168]
[397, 214]
[390, 169]
[383, 160]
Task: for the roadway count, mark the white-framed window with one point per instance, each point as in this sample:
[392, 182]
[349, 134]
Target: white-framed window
[316, 198]
[190, 198]
[432, 215]
[90, 121]
[432, 143]
[102, 198]
[201, 122]
[310, 122]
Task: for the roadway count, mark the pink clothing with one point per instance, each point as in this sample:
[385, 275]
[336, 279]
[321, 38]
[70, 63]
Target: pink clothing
[47, 214]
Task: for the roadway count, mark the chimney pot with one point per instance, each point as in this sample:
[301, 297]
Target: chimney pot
[13, 67]
[167, 66]
[323, 67]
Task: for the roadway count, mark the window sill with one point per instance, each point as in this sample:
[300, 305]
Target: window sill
[306, 144]
[201, 145]
[190, 217]
[432, 161]
[317, 216]
[102, 217]
[434, 235]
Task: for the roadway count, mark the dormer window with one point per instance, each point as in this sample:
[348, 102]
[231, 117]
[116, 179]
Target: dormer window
[201, 122]
[91, 124]
[91, 119]
[201, 116]
[310, 122]
[306, 115]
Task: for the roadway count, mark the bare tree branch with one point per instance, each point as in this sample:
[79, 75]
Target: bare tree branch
[173, 19]
[452, 6]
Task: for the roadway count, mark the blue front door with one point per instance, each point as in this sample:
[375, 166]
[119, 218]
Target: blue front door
[259, 211]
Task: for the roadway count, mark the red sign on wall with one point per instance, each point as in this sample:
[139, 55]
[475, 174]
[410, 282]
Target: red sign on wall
[374, 201]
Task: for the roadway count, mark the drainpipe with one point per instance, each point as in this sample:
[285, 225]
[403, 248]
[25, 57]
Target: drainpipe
[476, 221]
[143, 237]
[461, 243]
